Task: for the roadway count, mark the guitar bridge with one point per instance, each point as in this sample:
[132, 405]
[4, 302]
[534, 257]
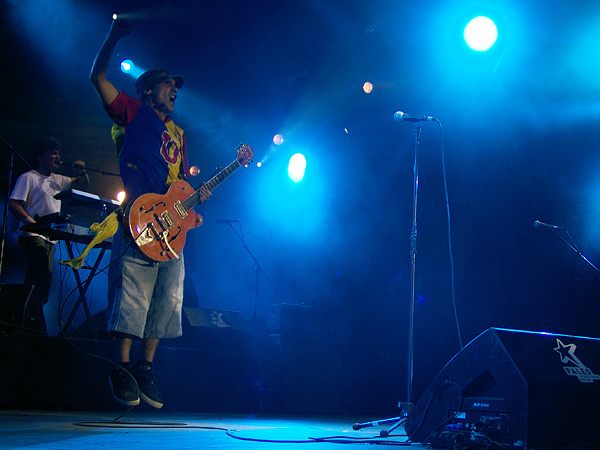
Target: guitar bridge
[150, 234]
[165, 221]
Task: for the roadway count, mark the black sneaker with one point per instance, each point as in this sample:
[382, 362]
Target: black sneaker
[123, 387]
[148, 391]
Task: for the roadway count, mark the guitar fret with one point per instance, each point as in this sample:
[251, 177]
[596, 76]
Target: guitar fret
[211, 184]
[189, 202]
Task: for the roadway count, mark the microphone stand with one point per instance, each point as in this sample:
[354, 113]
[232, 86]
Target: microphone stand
[11, 158]
[103, 212]
[406, 406]
[257, 268]
[413, 260]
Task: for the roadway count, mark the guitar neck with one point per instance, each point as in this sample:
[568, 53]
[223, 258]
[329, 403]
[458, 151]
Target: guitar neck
[211, 184]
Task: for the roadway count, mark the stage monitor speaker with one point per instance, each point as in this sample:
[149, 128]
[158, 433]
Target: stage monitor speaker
[215, 318]
[524, 389]
[16, 311]
[213, 330]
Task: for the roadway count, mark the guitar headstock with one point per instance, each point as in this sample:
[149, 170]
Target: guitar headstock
[244, 154]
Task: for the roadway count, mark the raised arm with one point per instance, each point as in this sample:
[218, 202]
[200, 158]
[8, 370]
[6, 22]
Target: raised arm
[105, 88]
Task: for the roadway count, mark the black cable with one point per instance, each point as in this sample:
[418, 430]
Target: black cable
[331, 439]
[452, 277]
[473, 441]
[362, 440]
[505, 446]
[427, 406]
[231, 433]
[283, 441]
[98, 272]
[142, 425]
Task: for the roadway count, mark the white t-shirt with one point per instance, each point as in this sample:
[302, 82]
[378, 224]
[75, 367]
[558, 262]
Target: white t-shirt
[37, 192]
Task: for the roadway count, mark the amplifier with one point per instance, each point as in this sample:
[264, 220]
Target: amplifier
[487, 415]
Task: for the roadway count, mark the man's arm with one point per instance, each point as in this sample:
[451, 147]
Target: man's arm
[82, 180]
[105, 88]
[16, 207]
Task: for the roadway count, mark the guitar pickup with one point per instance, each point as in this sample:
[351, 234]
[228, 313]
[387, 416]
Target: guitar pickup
[180, 209]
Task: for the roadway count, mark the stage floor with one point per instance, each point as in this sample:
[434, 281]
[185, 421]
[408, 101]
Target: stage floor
[179, 431]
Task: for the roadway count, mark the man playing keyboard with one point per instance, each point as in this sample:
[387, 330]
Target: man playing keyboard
[33, 195]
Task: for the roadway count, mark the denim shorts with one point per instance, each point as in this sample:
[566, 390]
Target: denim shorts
[144, 298]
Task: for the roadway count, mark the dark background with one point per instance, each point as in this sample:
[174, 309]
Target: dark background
[519, 143]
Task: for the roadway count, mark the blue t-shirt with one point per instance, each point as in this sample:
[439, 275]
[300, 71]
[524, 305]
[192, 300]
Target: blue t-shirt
[153, 151]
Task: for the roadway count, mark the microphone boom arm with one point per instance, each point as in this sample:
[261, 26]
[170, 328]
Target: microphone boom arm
[103, 172]
[89, 169]
[573, 247]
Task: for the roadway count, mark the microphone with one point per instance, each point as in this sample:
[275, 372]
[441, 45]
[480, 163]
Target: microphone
[537, 223]
[399, 116]
[68, 164]
[227, 221]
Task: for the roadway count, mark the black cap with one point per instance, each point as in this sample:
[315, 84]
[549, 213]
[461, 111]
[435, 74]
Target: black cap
[152, 77]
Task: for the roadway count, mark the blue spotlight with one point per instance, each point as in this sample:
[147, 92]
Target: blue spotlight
[296, 167]
[127, 65]
[481, 33]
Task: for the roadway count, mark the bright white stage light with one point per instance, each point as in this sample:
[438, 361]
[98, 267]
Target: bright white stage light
[296, 167]
[481, 33]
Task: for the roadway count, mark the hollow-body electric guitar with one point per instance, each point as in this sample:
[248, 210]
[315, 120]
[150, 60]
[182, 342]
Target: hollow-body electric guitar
[156, 224]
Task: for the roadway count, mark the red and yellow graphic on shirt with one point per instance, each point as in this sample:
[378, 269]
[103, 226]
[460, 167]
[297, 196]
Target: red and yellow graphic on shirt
[172, 149]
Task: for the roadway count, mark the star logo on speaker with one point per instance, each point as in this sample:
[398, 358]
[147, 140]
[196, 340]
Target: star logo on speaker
[579, 369]
[216, 319]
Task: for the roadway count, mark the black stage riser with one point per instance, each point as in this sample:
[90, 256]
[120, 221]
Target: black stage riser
[50, 373]
[527, 393]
